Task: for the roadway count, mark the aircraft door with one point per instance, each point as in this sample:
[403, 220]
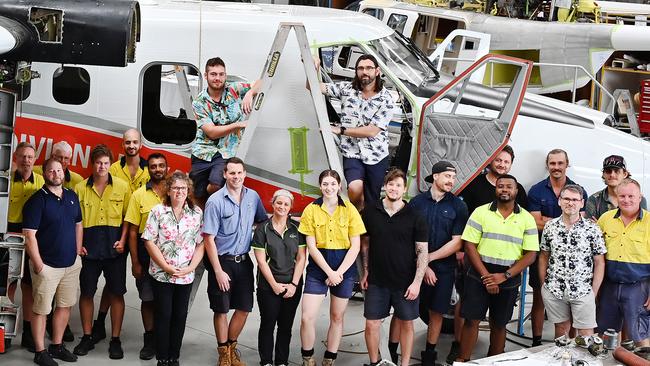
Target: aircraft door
[7, 121]
[467, 47]
[461, 125]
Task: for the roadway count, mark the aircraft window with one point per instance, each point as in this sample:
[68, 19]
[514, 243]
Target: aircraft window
[377, 13]
[71, 85]
[48, 24]
[397, 22]
[165, 101]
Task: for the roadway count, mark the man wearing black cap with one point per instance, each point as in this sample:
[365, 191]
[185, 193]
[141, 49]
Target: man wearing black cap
[614, 171]
[446, 215]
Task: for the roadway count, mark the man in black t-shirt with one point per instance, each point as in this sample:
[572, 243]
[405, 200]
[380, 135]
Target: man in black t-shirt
[395, 256]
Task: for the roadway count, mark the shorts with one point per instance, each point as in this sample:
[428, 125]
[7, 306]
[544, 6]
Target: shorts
[378, 301]
[620, 301]
[533, 274]
[477, 301]
[52, 283]
[437, 298]
[145, 286]
[114, 270]
[459, 282]
[316, 286]
[204, 172]
[371, 175]
[242, 285]
[582, 310]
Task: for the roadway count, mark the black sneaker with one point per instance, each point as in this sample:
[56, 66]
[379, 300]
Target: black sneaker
[148, 351]
[173, 362]
[43, 358]
[454, 352]
[59, 351]
[99, 331]
[162, 363]
[27, 341]
[68, 336]
[115, 351]
[85, 345]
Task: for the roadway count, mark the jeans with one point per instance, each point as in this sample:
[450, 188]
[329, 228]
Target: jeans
[275, 309]
[169, 318]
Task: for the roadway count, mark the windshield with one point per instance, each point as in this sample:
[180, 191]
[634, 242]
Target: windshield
[406, 63]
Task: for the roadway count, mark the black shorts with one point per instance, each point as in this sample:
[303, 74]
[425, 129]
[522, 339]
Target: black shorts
[371, 175]
[533, 275]
[114, 270]
[240, 295]
[378, 301]
[476, 301]
[437, 298]
[205, 172]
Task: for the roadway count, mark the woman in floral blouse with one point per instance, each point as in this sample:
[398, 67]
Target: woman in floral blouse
[174, 242]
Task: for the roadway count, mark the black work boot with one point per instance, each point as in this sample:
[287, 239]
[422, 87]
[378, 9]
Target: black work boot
[429, 358]
[148, 351]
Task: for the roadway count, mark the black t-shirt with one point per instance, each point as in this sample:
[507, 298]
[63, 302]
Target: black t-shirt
[392, 258]
[480, 191]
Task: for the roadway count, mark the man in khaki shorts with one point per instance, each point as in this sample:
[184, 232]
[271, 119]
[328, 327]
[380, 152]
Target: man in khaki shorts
[52, 225]
[571, 265]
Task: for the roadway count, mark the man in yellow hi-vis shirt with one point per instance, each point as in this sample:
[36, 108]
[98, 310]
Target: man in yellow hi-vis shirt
[62, 152]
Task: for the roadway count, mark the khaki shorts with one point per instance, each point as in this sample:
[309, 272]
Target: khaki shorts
[59, 283]
[582, 310]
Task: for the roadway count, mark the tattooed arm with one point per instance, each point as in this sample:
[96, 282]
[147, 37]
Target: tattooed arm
[365, 243]
[421, 251]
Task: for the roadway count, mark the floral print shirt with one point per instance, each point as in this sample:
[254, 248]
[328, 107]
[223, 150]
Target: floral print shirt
[176, 239]
[224, 112]
[356, 111]
[571, 260]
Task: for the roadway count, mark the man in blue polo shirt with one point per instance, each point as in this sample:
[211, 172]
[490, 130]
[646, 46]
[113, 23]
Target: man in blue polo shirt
[228, 225]
[446, 215]
[543, 205]
[52, 225]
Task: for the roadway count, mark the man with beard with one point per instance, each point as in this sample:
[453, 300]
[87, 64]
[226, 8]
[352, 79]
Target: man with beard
[219, 112]
[543, 205]
[140, 204]
[614, 171]
[445, 215]
[52, 225]
[366, 110]
[62, 151]
[394, 256]
[500, 241]
[131, 167]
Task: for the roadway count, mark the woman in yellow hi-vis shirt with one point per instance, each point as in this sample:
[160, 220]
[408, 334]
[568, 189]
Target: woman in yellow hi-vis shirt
[333, 227]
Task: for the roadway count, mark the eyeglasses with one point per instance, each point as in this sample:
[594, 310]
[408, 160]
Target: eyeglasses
[178, 189]
[572, 200]
[365, 68]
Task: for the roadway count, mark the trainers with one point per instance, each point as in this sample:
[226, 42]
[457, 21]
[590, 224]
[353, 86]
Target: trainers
[235, 360]
[148, 351]
[308, 361]
[68, 336]
[454, 352]
[85, 345]
[43, 358]
[162, 363]
[99, 331]
[173, 362]
[328, 362]
[59, 351]
[115, 351]
[224, 355]
[27, 341]
[428, 358]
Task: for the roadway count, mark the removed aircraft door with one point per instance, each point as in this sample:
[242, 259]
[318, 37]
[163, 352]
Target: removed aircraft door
[464, 47]
[457, 125]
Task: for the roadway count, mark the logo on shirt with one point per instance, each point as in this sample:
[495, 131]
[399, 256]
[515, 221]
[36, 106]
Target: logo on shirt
[293, 236]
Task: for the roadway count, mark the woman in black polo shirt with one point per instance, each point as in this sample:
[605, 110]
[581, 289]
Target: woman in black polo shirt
[280, 251]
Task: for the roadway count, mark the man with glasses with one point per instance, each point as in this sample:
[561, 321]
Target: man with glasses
[366, 110]
[571, 266]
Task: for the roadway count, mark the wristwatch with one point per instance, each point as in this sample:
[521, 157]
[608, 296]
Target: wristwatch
[507, 274]
[342, 129]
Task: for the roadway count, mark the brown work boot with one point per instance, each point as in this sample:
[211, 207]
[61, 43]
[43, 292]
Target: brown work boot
[308, 361]
[234, 355]
[328, 362]
[224, 356]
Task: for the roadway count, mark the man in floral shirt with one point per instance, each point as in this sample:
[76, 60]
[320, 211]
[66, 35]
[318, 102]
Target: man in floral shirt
[571, 265]
[366, 110]
[219, 111]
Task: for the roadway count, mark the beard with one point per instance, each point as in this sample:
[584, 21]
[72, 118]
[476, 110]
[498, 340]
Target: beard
[53, 183]
[389, 198]
[365, 81]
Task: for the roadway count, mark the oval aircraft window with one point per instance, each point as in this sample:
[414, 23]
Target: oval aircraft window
[71, 85]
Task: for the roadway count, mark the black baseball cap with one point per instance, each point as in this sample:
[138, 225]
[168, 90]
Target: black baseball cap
[614, 161]
[439, 167]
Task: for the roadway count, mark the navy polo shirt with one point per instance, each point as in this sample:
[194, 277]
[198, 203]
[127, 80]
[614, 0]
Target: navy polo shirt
[55, 219]
[445, 219]
[542, 198]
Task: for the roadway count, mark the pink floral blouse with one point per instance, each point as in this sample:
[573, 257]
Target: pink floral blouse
[177, 240]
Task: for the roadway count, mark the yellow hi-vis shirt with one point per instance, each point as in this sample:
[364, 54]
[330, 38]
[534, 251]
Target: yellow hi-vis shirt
[20, 193]
[71, 178]
[120, 170]
[500, 240]
[140, 204]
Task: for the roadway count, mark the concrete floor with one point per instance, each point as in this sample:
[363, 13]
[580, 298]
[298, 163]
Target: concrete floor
[199, 347]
